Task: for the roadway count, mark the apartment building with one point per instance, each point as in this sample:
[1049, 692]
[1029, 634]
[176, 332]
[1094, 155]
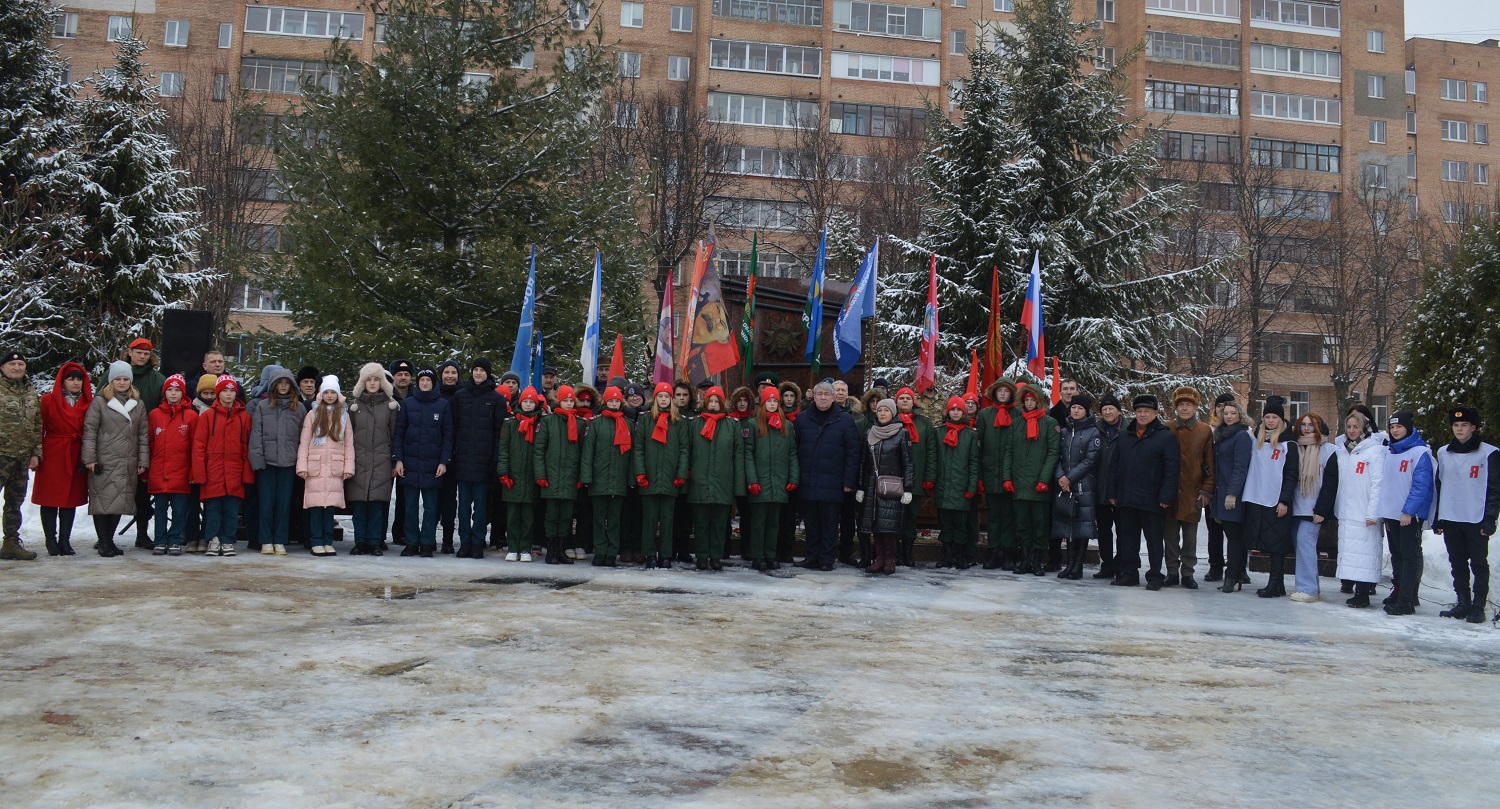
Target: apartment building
[1319, 91]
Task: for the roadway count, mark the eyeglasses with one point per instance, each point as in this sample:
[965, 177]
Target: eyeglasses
[1308, 427]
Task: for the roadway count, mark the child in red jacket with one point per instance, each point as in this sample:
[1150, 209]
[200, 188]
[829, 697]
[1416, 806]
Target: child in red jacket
[170, 427]
[221, 465]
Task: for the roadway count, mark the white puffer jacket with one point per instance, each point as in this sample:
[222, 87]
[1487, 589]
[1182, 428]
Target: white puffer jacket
[1361, 546]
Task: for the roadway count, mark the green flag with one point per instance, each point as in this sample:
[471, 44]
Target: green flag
[747, 322]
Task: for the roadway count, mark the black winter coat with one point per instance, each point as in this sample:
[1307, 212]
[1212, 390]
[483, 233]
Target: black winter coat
[889, 457]
[424, 438]
[828, 449]
[1143, 473]
[1077, 460]
[478, 412]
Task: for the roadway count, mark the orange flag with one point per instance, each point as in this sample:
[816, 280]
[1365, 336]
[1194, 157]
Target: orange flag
[994, 350]
[1056, 381]
[973, 389]
[617, 362]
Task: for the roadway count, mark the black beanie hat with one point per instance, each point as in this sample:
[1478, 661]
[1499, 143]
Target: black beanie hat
[1275, 405]
[509, 375]
[427, 372]
[1406, 419]
[1463, 413]
[1109, 399]
[1364, 410]
[1145, 400]
[309, 372]
[484, 363]
[1224, 398]
[76, 373]
[1083, 400]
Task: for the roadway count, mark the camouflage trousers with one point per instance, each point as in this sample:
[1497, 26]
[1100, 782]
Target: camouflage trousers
[13, 476]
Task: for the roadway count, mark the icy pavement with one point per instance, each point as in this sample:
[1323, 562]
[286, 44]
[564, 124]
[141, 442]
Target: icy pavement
[360, 682]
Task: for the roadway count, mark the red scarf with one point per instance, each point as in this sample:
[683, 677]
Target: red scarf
[773, 420]
[527, 426]
[659, 432]
[1002, 414]
[710, 424]
[791, 415]
[572, 416]
[911, 429]
[954, 428]
[1032, 417]
[622, 432]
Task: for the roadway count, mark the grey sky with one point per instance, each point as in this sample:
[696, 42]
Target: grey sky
[1467, 20]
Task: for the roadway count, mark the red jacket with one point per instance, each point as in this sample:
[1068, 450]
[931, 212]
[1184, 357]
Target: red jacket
[170, 428]
[60, 481]
[221, 452]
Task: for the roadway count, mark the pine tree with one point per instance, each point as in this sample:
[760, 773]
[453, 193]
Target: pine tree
[1044, 158]
[434, 169]
[1453, 338]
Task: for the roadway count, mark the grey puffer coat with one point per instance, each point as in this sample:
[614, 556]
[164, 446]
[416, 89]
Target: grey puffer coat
[275, 427]
[116, 438]
[891, 456]
[372, 417]
[1078, 460]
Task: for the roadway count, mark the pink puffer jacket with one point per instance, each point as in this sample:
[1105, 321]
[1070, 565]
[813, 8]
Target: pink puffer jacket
[324, 464]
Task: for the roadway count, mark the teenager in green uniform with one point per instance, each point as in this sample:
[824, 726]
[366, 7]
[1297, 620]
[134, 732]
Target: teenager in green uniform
[771, 476]
[1027, 473]
[517, 455]
[659, 457]
[717, 474]
[994, 424]
[556, 456]
[606, 472]
[919, 432]
[957, 483]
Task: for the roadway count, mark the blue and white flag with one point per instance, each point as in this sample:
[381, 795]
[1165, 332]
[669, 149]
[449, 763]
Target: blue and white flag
[520, 360]
[537, 364]
[589, 359]
[812, 315]
[848, 336]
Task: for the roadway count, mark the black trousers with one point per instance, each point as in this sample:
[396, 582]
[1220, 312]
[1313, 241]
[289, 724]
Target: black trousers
[822, 523]
[1215, 541]
[1405, 542]
[1468, 552]
[1237, 555]
[1104, 524]
[848, 525]
[1133, 524]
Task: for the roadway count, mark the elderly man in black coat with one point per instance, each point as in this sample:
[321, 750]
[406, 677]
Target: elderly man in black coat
[828, 451]
[1142, 484]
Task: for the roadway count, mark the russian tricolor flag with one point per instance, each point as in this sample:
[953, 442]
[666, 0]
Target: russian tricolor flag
[1031, 321]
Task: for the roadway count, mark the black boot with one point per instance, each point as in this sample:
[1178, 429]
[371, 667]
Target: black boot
[1459, 610]
[552, 552]
[1127, 578]
[1040, 563]
[1106, 569]
[866, 551]
[1401, 607]
[108, 548]
[1074, 570]
[904, 553]
[963, 557]
[993, 562]
[1476, 612]
[947, 560]
[1275, 588]
[409, 550]
[1215, 573]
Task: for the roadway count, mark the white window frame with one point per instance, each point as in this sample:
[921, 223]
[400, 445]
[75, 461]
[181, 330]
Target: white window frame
[1453, 89]
[1375, 86]
[1481, 174]
[958, 42]
[1296, 15]
[1308, 63]
[1377, 131]
[171, 84]
[175, 34]
[1481, 133]
[1290, 107]
[226, 34]
[1454, 131]
[1007, 6]
[1375, 175]
[65, 26]
[628, 65]
[279, 21]
[843, 20]
[221, 87]
[731, 108]
[119, 28]
[1411, 122]
[1375, 41]
[1480, 92]
[679, 68]
[682, 19]
[632, 15]
[627, 114]
[960, 3]
[844, 65]
[1211, 9]
[1411, 165]
[1104, 10]
[740, 55]
[1455, 171]
[526, 61]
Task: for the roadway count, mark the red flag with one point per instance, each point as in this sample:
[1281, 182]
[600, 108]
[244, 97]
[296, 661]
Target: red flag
[994, 350]
[973, 389]
[927, 361]
[617, 362]
[1056, 382]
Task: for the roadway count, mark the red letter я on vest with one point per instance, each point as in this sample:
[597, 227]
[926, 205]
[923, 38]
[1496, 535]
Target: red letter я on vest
[1359, 468]
[1275, 454]
[1404, 465]
[1474, 473]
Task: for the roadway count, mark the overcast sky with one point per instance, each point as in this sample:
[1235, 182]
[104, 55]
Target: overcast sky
[1468, 20]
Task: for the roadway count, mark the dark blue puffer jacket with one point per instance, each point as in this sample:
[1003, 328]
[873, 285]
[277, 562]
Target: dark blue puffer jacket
[828, 453]
[424, 438]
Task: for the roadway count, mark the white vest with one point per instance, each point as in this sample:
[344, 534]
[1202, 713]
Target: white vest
[1395, 486]
[1464, 480]
[1263, 480]
[1303, 506]
[1360, 473]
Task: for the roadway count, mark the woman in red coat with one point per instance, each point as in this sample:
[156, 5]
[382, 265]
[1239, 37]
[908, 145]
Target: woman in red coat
[61, 483]
[170, 427]
[221, 465]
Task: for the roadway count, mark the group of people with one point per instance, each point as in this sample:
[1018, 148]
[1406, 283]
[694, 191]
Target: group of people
[620, 475]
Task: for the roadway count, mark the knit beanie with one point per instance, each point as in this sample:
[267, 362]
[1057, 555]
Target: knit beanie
[120, 368]
[206, 382]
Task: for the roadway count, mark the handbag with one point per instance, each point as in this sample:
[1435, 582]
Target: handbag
[889, 487]
[1067, 506]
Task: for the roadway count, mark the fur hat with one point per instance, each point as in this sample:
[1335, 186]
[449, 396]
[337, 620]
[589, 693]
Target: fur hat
[1145, 400]
[308, 372]
[1186, 394]
[1275, 406]
[1463, 413]
[742, 391]
[373, 369]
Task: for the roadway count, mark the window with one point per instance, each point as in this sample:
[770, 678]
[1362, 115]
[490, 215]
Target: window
[1198, 99]
[1104, 10]
[304, 22]
[1295, 13]
[960, 3]
[1457, 212]
[1455, 171]
[1295, 107]
[1456, 131]
[785, 12]
[751, 110]
[264, 184]
[1375, 87]
[226, 34]
[267, 239]
[764, 57]
[1298, 404]
[176, 34]
[893, 69]
[1197, 50]
[682, 18]
[1299, 61]
[1104, 57]
[631, 14]
[221, 87]
[1375, 175]
[579, 12]
[1198, 146]
[1481, 174]
[1207, 8]
[627, 114]
[912, 22]
[1481, 92]
[1481, 133]
[1411, 122]
[65, 26]
[955, 88]
[768, 264]
[1451, 89]
[674, 119]
[957, 43]
[119, 28]
[1411, 165]
[879, 121]
[1205, 244]
[678, 67]
[1411, 82]
[1380, 406]
[1008, 6]
[284, 76]
[526, 61]
[1296, 203]
[757, 214]
[171, 84]
[1377, 131]
[1375, 41]
[629, 65]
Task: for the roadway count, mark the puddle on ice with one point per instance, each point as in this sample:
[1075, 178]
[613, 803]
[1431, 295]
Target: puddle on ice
[398, 593]
[554, 584]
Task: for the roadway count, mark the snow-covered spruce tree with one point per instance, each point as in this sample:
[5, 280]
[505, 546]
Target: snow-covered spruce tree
[140, 219]
[1452, 353]
[433, 171]
[1044, 158]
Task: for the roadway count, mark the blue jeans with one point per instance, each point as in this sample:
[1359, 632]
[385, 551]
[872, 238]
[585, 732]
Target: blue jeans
[369, 522]
[320, 520]
[473, 512]
[1307, 555]
[177, 504]
[426, 502]
[274, 487]
[192, 530]
[219, 517]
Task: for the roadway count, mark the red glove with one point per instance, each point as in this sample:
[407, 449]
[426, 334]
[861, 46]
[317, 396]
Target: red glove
[641, 481]
[580, 485]
[968, 495]
[791, 487]
[678, 482]
[542, 482]
[753, 489]
[507, 481]
[981, 487]
[1041, 488]
[929, 486]
[1010, 488]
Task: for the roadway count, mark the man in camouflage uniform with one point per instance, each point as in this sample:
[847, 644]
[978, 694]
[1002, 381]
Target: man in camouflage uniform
[20, 447]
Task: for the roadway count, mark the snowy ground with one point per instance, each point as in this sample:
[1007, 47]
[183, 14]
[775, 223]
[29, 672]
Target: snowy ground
[359, 682]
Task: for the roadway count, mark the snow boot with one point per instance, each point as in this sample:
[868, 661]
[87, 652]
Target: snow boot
[13, 549]
[1106, 569]
[1074, 570]
[50, 533]
[1215, 573]
[1401, 607]
[1459, 610]
[108, 548]
[409, 549]
[1127, 578]
[963, 557]
[1476, 613]
[1171, 580]
[904, 549]
[947, 560]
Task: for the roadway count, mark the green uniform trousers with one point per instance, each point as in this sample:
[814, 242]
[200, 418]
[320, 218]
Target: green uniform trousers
[657, 510]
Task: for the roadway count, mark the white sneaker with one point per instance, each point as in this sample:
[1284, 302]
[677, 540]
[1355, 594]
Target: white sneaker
[579, 553]
[1304, 598]
[213, 547]
[279, 550]
[526, 557]
[510, 557]
[226, 548]
[268, 550]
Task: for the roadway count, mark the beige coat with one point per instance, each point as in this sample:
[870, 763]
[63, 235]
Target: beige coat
[1196, 441]
[116, 438]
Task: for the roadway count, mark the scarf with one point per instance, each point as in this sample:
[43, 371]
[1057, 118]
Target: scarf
[710, 424]
[773, 420]
[1002, 414]
[1308, 465]
[526, 426]
[572, 416]
[1224, 432]
[910, 425]
[1464, 447]
[954, 428]
[1032, 418]
[622, 433]
[880, 432]
[659, 432]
